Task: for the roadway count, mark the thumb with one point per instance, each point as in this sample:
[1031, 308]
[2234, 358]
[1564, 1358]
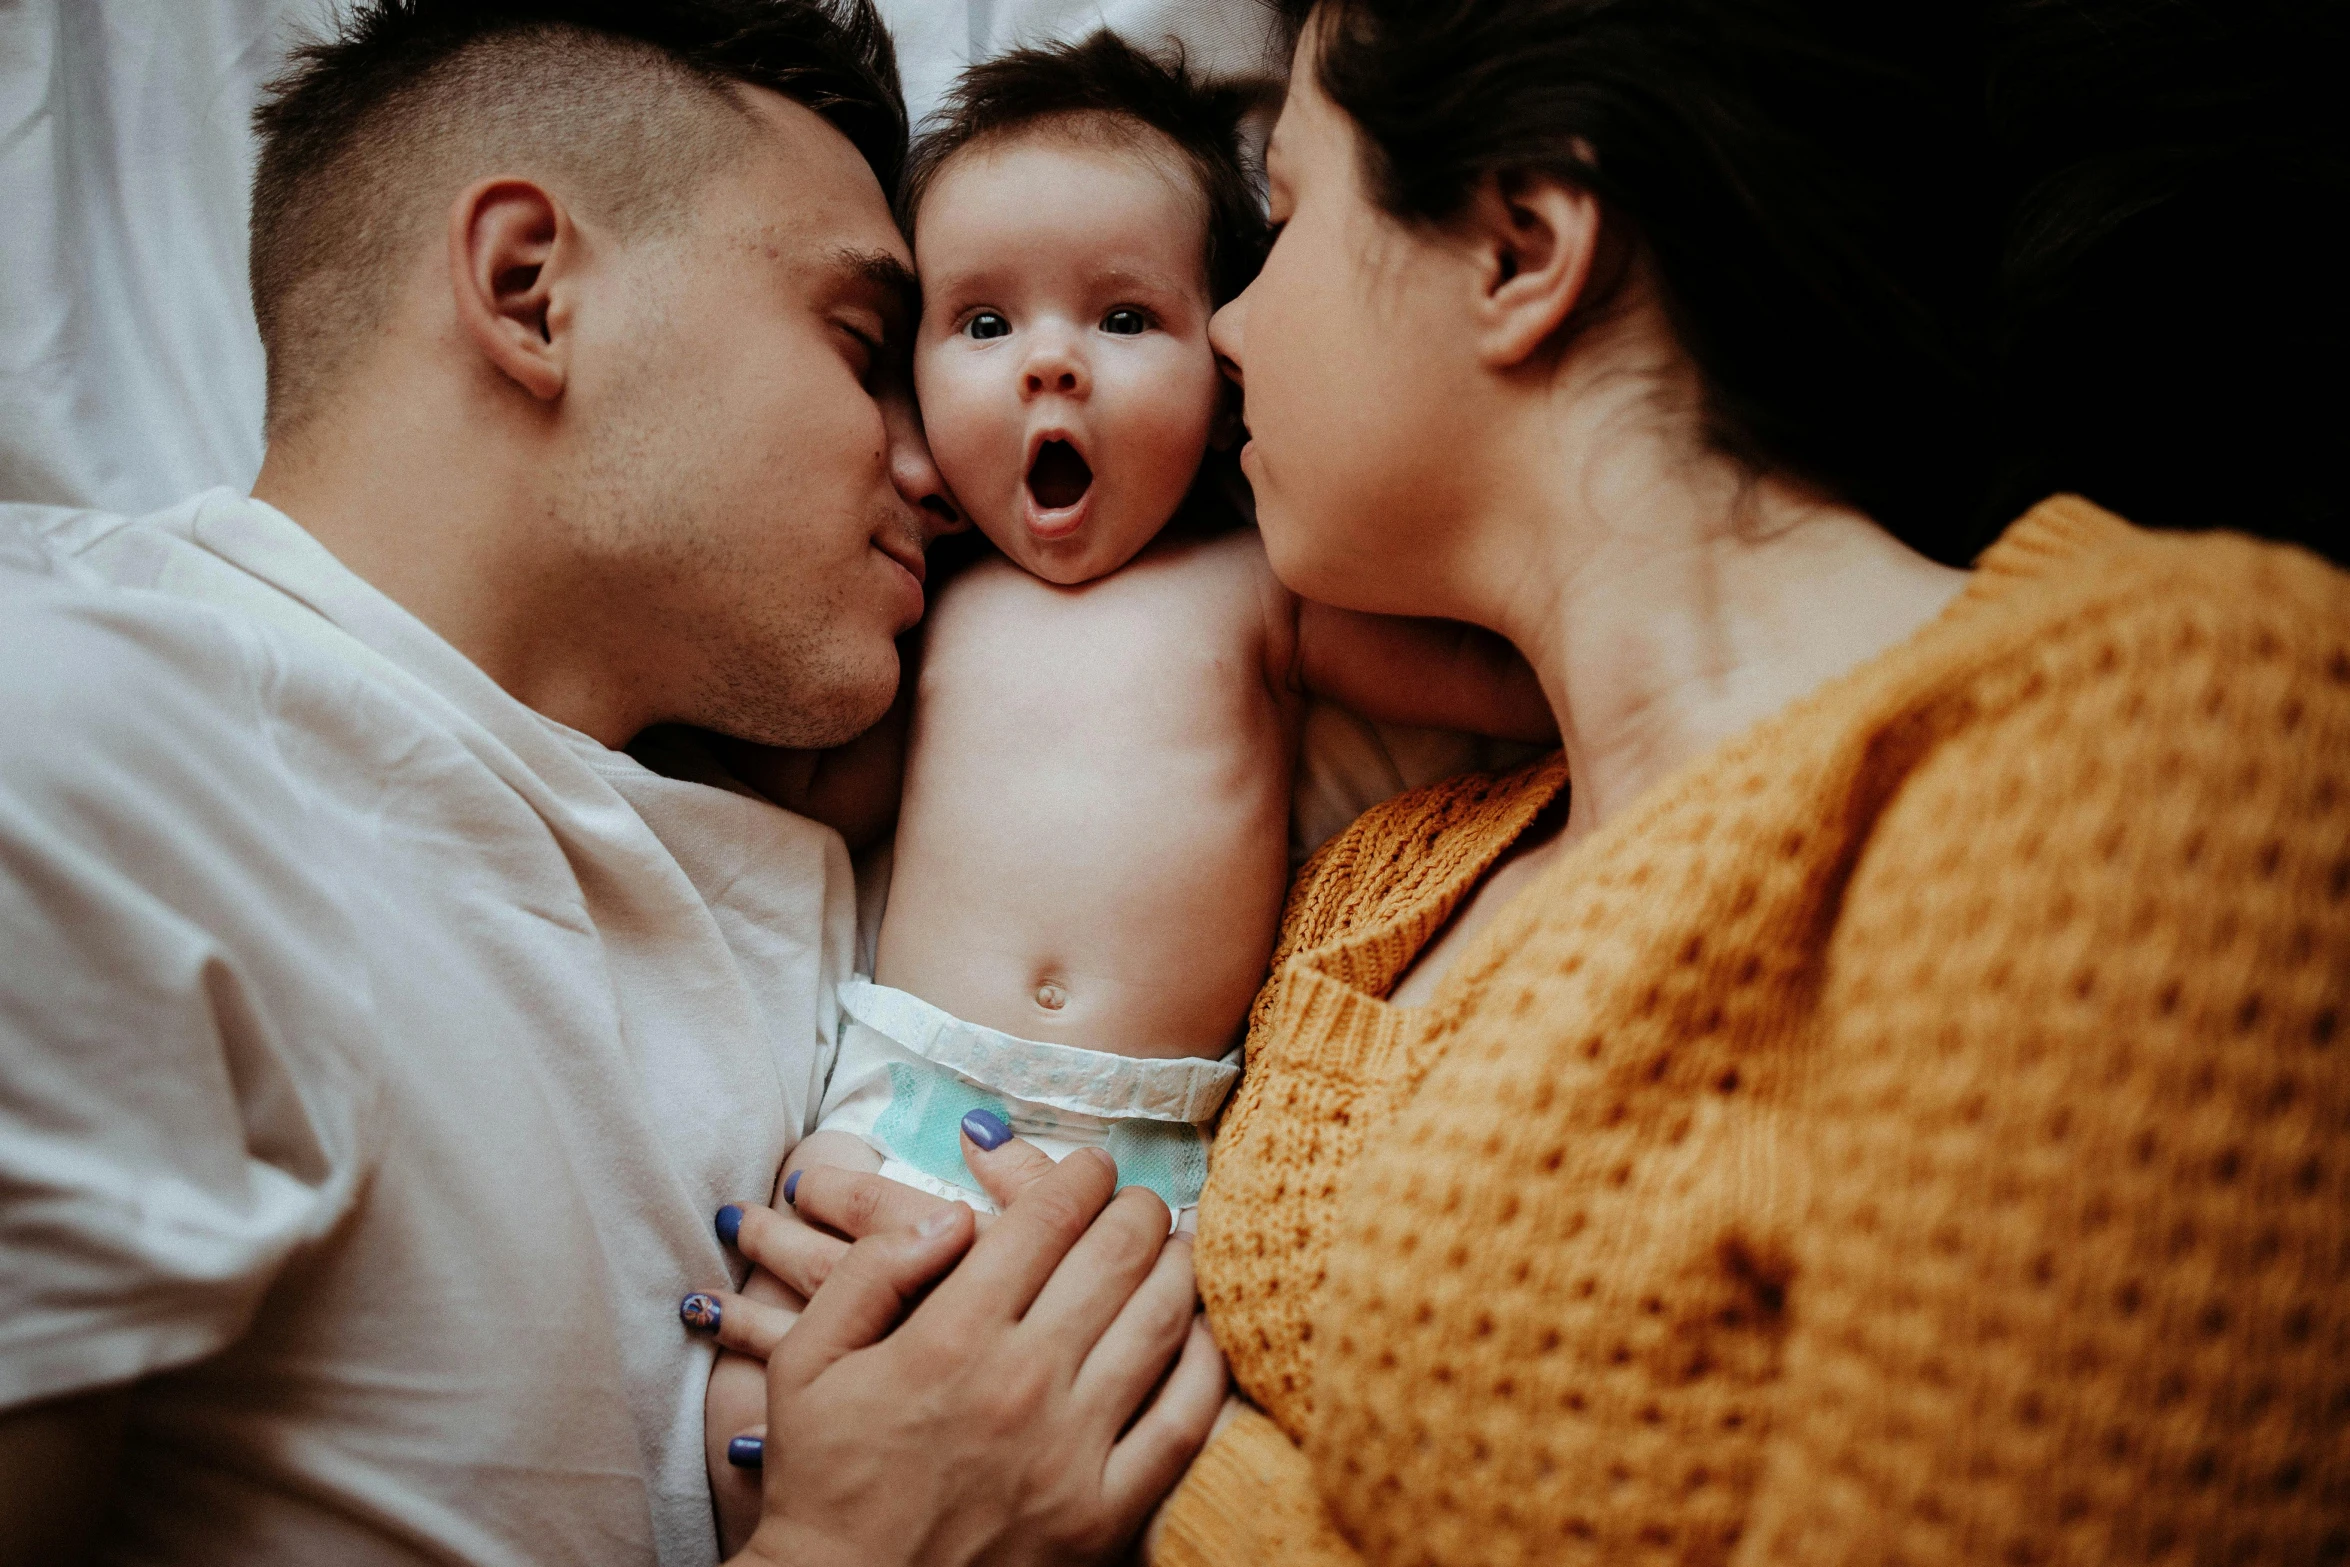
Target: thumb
[1006, 1165]
[868, 1290]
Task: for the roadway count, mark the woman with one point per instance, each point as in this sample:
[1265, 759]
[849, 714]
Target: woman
[1892, 1105]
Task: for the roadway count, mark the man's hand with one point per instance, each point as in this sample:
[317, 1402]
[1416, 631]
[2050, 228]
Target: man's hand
[998, 1422]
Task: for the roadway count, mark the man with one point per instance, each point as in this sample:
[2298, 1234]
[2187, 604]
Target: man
[377, 1038]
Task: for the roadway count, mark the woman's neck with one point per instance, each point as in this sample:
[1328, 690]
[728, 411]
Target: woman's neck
[1668, 600]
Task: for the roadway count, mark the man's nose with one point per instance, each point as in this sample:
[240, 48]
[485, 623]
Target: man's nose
[1054, 366]
[912, 470]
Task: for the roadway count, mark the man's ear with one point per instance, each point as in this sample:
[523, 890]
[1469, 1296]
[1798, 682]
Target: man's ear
[509, 244]
[1536, 240]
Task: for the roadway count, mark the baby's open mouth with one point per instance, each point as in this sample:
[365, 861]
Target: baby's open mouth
[1059, 477]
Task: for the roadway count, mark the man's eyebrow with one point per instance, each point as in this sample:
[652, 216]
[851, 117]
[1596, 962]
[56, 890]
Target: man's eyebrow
[888, 276]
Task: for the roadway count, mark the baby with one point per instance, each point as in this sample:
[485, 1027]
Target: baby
[1091, 850]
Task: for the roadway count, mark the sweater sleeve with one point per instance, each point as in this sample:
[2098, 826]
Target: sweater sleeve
[2074, 1280]
[1249, 1500]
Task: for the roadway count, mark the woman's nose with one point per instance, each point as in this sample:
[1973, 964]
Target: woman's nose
[1224, 336]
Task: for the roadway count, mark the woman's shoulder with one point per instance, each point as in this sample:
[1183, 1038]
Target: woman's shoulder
[2071, 566]
[2085, 647]
[2123, 710]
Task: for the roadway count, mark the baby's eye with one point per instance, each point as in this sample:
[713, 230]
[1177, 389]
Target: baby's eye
[985, 325]
[1125, 323]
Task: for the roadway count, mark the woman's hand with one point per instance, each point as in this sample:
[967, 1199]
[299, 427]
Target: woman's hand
[734, 1411]
[988, 1425]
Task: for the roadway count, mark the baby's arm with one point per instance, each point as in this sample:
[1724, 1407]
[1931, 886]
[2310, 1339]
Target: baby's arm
[736, 1403]
[1438, 673]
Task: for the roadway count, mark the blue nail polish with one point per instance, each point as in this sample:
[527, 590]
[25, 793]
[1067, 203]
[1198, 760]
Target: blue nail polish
[700, 1312]
[791, 1187]
[987, 1129]
[730, 1223]
[746, 1452]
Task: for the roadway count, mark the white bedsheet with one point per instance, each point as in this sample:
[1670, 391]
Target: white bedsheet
[130, 369]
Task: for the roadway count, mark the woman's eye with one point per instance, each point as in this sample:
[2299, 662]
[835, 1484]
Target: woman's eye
[985, 325]
[1125, 323]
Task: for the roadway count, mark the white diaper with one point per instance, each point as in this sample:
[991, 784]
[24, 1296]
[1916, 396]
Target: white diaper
[908, 1073]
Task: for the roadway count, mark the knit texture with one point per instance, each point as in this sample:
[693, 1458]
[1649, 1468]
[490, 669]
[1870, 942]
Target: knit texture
[1917, 1131]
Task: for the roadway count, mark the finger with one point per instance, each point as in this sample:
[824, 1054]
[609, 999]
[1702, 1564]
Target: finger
[737, 1322]
[1133, 1352]
[1102, 1272]
[747, 1449]
[1006, 1165]
[788, 1246]
[1151, 1457]
[866, 1295]
[1010, 1264]
[857, 1204]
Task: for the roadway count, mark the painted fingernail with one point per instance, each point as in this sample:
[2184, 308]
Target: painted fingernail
[987, 1129]
[700, 1312]
[747, 1452]
[791, 1187]
[730, 1221]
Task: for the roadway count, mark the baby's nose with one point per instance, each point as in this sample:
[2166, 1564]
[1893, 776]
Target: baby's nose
[1054, 370]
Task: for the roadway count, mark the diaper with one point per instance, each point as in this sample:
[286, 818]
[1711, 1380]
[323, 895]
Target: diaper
[907, 1073]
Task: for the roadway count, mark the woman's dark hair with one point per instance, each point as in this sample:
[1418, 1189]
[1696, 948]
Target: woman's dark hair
[1106, 76]
[2174, 332]
[1804, 180]
[1940, 260]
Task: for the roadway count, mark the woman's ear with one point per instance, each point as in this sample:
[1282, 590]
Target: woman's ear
[1535, 239]
[509, 243]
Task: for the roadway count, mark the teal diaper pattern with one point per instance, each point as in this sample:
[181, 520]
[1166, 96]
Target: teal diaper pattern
[1168, 1157]
[907, 1072]
[923, 1122]
[923, 1125]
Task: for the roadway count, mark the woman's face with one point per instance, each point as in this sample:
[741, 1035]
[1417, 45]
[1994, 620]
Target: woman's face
[1354, 352]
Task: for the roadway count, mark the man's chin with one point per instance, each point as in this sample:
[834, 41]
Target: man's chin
[810, 715]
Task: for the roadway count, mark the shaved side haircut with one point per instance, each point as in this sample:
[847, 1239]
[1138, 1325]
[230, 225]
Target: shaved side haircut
[368, 135]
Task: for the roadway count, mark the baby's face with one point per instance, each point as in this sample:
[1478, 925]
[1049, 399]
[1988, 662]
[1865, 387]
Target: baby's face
[1067, 384]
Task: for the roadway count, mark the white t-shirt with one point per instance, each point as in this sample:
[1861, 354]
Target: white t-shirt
[373, 1055]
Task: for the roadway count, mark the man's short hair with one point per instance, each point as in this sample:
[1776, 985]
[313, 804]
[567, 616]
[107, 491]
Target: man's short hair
[1109, 82]
[363, 133]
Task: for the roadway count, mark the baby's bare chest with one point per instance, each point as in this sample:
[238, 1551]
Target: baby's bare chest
[1162, 658]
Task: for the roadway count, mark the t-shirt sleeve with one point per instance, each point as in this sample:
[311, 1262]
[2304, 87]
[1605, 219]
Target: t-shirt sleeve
[181, 1104]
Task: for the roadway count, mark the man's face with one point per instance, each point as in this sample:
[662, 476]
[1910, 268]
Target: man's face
[749, 467]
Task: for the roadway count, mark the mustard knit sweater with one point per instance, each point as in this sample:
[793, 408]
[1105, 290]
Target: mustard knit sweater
[1919, 1131]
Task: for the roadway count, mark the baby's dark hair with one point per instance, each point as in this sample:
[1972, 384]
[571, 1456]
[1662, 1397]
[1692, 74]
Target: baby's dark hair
[1106, 77]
